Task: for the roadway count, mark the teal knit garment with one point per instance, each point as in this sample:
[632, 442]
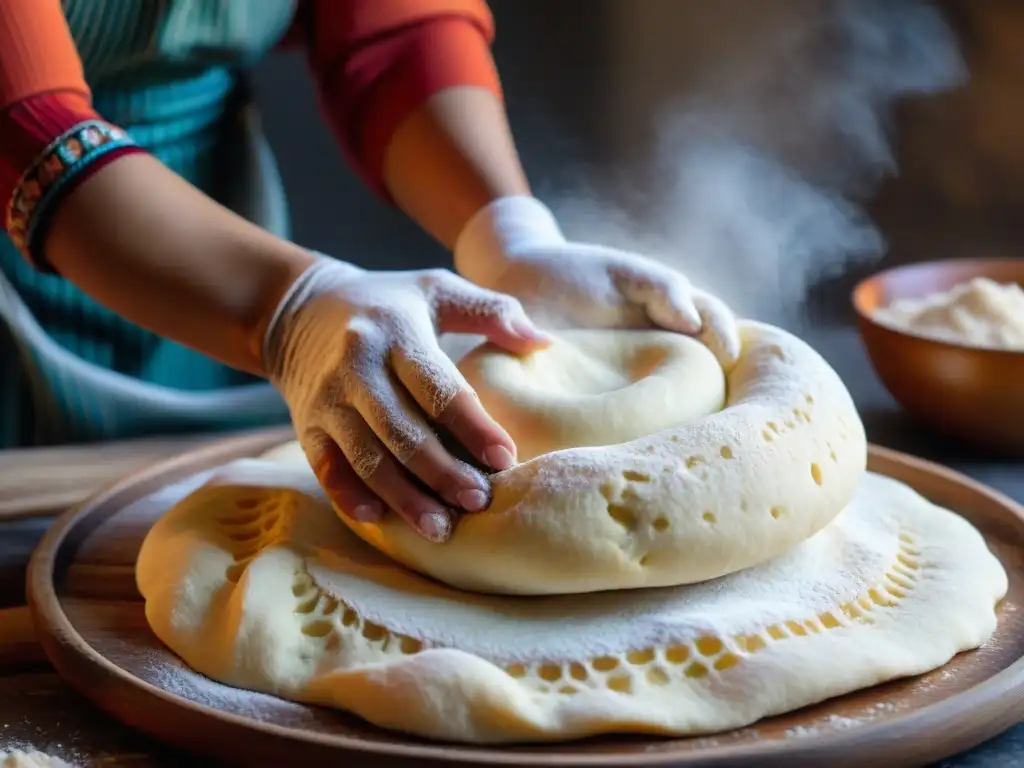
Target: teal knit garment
[170, 73]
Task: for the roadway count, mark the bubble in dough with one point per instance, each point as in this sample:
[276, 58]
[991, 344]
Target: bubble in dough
[670, 487]
[255, 582]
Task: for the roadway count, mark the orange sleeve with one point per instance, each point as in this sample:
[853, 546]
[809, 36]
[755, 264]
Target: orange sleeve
[37, 54]
[50, 137]
[377, 61]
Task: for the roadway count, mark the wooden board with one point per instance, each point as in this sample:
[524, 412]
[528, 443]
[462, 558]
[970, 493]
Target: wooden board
[90, 621]
[40, 482]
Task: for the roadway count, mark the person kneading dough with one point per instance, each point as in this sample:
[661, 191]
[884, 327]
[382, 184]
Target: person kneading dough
[645, 463]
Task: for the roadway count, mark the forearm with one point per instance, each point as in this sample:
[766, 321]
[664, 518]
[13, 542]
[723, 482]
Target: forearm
[148, 245]
[450, 158]
[413, 94]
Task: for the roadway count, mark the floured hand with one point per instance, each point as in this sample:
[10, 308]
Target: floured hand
[515, 245]
[356, 356]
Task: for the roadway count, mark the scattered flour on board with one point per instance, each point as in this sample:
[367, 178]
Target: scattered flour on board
[25, 739]
[172, 676]
[881, 708]
[838, 722]
[800, 731]
[25, 756]
[707, 742]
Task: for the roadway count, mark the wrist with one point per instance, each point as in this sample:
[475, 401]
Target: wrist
[498, 232]
[320, 274]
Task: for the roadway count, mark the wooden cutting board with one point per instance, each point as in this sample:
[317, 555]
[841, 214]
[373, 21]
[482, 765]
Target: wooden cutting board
[92, 625]
[39, 482]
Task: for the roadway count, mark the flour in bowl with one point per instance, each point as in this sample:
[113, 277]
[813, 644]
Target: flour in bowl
[977, 313]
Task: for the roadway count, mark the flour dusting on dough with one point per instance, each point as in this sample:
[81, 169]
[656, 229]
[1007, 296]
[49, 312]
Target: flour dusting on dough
[680, 503]
[789, 574]
[893, 587]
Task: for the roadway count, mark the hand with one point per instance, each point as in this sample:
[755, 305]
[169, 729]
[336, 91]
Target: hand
[515, 245]
[356, 356]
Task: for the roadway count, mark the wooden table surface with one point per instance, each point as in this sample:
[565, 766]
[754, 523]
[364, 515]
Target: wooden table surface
[38, 709]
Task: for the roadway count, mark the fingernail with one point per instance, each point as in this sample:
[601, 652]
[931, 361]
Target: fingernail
[368, 513]
[435, 526]
[528, 330]
[472, 500]
[499, 457]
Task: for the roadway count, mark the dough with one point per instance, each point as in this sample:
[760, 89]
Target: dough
[689, 494]
[978, 313]
[596, 388]
[255, 582]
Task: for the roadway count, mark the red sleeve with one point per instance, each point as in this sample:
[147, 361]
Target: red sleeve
[50, 136]
[377, 61]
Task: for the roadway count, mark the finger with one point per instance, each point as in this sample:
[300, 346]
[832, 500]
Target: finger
[720, 330]
[397, 421]
[672, 307]
[347, 492]
[440, 389]
[665, 295]
[381, 473]
[461, 307]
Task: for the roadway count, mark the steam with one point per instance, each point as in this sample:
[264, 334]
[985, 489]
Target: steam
[757, 175]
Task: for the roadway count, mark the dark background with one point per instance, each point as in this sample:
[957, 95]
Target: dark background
[583, 81]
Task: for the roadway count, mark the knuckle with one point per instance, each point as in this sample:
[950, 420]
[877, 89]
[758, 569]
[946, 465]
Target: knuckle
[504, 304]
[366, 464]
[333, 394]
[375, 318]
[316, 445]
[363, 348]
[436, 278]
[406, 444]
[492, 306]
[440, 274]
[356, 338]
[431, 378]
[360, 448]
[402, 436]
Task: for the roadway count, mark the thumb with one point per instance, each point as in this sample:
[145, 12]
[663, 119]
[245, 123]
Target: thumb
[498, 317]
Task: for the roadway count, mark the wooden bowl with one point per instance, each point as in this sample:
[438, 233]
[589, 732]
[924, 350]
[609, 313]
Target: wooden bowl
[968, 393]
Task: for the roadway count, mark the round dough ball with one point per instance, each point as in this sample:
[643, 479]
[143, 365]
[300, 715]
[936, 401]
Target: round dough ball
[593, 388]
[685, 503]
